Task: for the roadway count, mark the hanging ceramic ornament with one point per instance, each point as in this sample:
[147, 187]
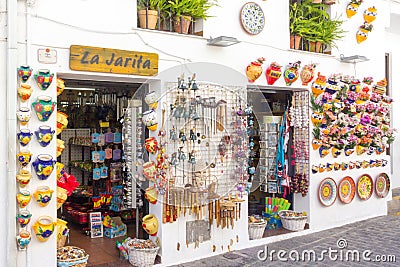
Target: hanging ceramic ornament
[352, 7]
[151, 99]
[44, 107]
[318, 86]
[60, 86]
[150, 224]
[24, 72]
[273, 73]
[370, 14]
[25, 92]
[254, 69]
[323, 151]
[44, 78]
[291, 73]
[150, 119]
[316, 143]
[362, 33]
[380, 87]
[307, 73]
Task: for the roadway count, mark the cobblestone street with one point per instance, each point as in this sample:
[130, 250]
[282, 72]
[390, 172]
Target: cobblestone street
[376, 237]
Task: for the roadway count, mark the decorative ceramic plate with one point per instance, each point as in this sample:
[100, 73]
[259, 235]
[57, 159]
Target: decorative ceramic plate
[365, 186]
[347, 190]
[252, 18]
[327, 192]
[382, 185]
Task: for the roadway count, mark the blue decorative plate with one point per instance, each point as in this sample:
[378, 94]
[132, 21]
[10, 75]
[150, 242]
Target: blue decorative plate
[252, 18]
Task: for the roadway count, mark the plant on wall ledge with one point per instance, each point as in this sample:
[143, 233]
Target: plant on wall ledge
[314, 25]
[185, 11]
[148, 12]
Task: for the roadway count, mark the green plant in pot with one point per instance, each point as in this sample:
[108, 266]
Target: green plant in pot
[148, 12]
[185, 11]
[331, 32]
[296, 18]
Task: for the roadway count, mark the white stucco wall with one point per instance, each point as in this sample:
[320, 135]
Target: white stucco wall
[392, 49]
[58, 24]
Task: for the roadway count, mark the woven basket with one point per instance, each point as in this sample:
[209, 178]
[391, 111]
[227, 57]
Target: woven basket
[143, 257]
[293, 223]
[80, 262]
[256, 230]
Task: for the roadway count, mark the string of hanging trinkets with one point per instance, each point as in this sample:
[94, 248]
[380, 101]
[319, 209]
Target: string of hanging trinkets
[299, 120]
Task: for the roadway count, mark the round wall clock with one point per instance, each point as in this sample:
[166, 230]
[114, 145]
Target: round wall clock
[327, 192]
[252, 18]
[382, 185]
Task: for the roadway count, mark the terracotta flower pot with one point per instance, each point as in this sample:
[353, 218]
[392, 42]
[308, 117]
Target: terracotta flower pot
[295, 42]
[152, 18]
[184, 21]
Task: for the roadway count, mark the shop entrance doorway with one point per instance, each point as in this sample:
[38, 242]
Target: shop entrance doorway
[276, 158]
[103, 210]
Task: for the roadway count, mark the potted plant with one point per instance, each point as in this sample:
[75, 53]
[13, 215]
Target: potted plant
[148, 12]
[185, 11]
[329, 2]
[296, 18]
[331, 32]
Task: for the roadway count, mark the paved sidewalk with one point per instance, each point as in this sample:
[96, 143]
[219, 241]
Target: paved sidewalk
[381, 236]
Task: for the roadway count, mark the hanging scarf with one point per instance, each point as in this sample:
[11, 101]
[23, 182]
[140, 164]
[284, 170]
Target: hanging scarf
[280, 155]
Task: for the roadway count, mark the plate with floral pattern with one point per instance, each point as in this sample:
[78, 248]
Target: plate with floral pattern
[365, 186]
[252, 18]
[347, 190]
[382, 185]
[327, 192]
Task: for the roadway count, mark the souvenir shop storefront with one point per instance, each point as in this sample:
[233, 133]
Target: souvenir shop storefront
[198, 159]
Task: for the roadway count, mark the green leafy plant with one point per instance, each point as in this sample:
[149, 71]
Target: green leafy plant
[192, 8]
[296, 16]
[317, 133]
[312, 22]
[151, 4]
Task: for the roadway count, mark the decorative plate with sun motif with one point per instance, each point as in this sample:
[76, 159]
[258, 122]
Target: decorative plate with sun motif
[347, 190]
[327, 192]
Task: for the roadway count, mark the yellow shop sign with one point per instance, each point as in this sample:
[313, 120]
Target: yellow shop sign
[97, 59]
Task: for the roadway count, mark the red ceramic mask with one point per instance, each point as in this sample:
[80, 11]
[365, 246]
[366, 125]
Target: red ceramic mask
[151, 145]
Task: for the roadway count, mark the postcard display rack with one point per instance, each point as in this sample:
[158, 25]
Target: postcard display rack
[201, 167]
[268, 147]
